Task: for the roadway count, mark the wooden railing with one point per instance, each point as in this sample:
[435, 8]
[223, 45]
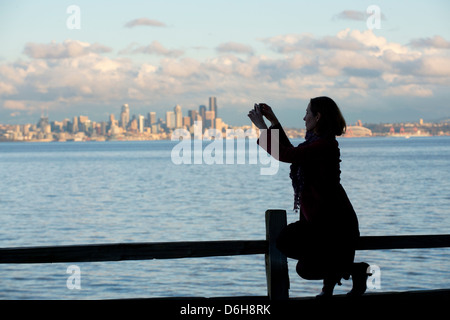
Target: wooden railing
[276, 262]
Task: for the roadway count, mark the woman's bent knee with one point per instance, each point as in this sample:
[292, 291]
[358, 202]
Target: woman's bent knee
[309, 272]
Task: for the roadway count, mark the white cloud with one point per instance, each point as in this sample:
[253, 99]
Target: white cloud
[67, 49]
[289, 43]
[7, 89]
[14, 105]
[234, 47]
[350, 64]
[91, 77]
[184, 68]
[438, 66]
[434, 42]
[144, 22]
[409, 90]
[355, 15]
[351, 15]
[155, 48]
[308, 43]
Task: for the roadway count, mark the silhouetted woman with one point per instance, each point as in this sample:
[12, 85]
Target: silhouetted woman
[324, 239]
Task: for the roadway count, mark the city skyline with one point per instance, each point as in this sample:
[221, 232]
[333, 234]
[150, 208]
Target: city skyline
[126, 126]
[381, 62]
[131, 126]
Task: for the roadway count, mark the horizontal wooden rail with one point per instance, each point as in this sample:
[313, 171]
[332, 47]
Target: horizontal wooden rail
[276, 263]
[131, 251]
[404, 242]
[176, 250]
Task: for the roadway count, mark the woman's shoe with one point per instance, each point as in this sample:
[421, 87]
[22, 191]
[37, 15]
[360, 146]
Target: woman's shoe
[359, 278]
[327, 290]
[325, 294]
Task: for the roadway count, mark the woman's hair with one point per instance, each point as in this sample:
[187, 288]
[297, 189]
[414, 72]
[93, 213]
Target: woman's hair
[331, 120]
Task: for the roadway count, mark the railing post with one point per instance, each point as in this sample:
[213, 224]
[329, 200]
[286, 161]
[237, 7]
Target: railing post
[276, 262]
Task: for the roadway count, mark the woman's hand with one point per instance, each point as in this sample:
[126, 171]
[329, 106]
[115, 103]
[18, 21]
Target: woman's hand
[256, 117]
[268, 113]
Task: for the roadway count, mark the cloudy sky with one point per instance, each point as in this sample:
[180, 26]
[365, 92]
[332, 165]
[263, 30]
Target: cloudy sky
[381, 61]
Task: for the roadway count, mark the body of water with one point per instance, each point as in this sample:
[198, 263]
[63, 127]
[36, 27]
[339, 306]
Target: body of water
[110, 192]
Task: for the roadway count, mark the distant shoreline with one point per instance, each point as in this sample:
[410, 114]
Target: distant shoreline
[404, 136]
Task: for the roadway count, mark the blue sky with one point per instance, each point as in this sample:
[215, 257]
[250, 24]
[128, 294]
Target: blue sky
[156, 54]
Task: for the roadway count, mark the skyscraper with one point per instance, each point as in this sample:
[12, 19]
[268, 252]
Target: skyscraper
[151, 118]
[209, 120]
[125, 116]
[75, 125]
[202, 112]
[213, 105]
[170, 119]
[193, 114]
[178, 116]
[141, 121]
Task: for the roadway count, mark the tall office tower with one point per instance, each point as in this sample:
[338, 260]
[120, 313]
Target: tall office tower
[170, 119]
[75, 125]
[133, 125]
[84, 123]
[43, 121]
[178, 116]
[193, 114]
[213, 105]
[187, 121]
[83, 119]
[26, 129]
[151, 118]
[202, 112]
[209, 120]
[141, 121]
[103, 127]
[125, 116]
[112, 122]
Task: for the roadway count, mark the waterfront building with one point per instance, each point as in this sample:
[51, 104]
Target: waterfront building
[141, 121]
[187, 122]
[357, 131]
[125, 116]
[133, 125]
[75, 125]
[219, 124]
[151, 118]
[194, 115]
[170, 120]
[178, 116]
[213, 105]
[209, 119]
[202, 112]
[155, 128]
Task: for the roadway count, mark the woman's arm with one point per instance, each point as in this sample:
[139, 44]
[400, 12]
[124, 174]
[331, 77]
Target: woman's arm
[266, 111]
[291, 154]
[283, 138]
[256, 117]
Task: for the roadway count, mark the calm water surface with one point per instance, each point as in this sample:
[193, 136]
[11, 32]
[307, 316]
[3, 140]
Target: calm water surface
[109, 192]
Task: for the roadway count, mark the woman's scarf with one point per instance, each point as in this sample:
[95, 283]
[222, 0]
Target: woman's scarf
[297, 174]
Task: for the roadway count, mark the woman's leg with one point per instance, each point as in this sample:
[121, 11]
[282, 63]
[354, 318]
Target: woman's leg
[313, 271]
[360, 273]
